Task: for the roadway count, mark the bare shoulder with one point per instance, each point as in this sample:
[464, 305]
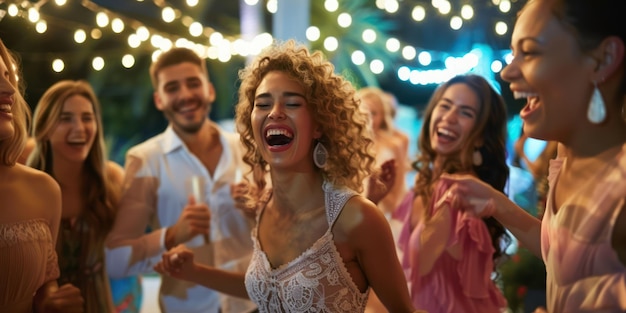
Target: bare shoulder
[36, 180]
[115, 172]
[402, 138]
[360, 216]
[38, 190]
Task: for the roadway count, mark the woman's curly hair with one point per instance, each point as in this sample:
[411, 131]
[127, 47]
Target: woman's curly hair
[330, 100]
[490, 130]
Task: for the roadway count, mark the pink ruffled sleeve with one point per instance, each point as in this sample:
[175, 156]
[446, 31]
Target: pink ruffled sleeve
[470, 239]
[475, 243]
[403, 213]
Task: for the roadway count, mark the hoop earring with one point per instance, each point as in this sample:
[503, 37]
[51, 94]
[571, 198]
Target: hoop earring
[477, 158]
[596, 113]
[320, 155]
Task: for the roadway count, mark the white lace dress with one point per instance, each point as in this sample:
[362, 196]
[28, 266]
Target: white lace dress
[316, 281]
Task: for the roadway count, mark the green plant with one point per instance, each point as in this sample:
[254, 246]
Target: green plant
[522, 272]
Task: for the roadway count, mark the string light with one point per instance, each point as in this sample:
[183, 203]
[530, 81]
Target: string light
[102, 19]
[272, 6]
[221, 48]
[369, 35]
[96, 33]
[424, 58]
[392, 44]
[97, 63]
[58, 65]
[168, 14]
[312, 33]
[358, 57]
[41, 26]
[392, 6]
[505, 6]
[456, 23]
[496, 66]
[33, 15]
[195, 29]
[344, 20]
[418, 13]
[443, 7]
[331, 5]
[501, 28]
[12, 10]
[128, 61]
[117, 25]
[377, 66]
[331, 43]
[80, 36]
[409, 53]
[467, 12]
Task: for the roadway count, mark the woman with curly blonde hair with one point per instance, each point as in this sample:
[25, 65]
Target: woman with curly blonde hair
[319, 246]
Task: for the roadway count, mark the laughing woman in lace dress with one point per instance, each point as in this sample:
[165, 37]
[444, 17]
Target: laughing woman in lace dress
[29, 214]
[319, 246]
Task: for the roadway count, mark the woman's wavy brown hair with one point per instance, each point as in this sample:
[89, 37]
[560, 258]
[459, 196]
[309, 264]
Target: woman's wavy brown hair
[332, 103]
[490, 130]
[101, 196]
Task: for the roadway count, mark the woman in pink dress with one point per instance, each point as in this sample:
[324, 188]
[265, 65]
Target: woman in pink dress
[569, 64]
[449, 254]
[29, 214]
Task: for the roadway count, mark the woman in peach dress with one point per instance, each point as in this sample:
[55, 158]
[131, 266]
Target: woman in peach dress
[569, 65]
[29, 215]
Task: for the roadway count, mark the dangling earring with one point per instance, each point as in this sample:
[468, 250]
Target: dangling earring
[320, 155]
[596, 113]
[477, 158]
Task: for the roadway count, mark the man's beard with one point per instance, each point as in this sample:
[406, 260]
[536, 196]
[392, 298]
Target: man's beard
[189, 128]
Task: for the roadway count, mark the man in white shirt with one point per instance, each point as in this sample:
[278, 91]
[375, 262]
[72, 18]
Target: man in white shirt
[156, 192]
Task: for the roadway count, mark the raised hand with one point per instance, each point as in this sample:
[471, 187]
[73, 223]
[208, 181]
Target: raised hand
[177, 262]
[382, 181]
[194, 220]
[240, 192]
[66, 299]
[468, 192]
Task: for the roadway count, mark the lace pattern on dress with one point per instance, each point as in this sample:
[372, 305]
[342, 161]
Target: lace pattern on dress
[316, 281]
[30, 231]
[24, 231]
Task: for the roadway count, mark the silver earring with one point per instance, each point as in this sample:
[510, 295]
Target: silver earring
[320, 155]
[477, 158]
[596, 113]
